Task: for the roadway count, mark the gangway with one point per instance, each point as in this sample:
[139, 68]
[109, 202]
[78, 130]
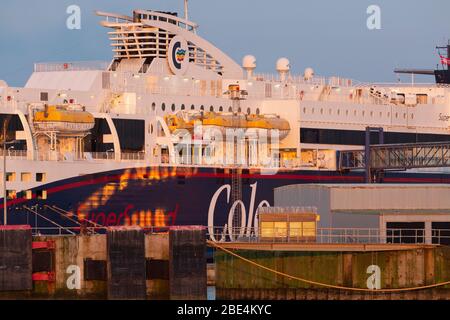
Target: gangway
[395, 157]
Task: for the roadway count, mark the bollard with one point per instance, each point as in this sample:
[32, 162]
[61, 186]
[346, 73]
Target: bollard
[126, 263]
[187, 263]
[15, 258]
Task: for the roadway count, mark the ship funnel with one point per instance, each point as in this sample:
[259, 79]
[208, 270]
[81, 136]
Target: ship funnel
[249, 64]
[283, 68]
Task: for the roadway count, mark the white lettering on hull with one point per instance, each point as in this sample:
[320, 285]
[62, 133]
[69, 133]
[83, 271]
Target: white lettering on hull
[249, 222]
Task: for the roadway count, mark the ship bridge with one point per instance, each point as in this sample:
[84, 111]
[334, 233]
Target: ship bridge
[149, 34]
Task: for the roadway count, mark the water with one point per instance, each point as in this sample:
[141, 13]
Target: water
[211, 293]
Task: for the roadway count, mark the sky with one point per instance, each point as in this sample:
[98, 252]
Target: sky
[330, 36]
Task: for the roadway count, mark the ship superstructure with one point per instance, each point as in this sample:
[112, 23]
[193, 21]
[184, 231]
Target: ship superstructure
[104, 126]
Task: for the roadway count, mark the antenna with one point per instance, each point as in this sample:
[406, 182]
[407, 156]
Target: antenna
[186, 15]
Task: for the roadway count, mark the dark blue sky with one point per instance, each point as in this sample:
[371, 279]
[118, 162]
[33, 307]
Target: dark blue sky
[330, 36]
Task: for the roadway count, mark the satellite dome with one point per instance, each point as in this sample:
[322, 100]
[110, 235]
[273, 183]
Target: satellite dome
[283, 65]
[249, 62]
[309, 73]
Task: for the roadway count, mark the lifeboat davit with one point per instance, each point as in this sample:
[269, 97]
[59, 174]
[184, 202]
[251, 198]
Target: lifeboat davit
[63, 118]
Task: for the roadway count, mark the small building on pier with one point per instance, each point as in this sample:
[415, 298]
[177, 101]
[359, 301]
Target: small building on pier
[405, 213]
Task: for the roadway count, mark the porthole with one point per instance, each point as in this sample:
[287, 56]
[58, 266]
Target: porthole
[321, 111]
[339, 112]
[220, 108]
[202, 108]
[163, 107]
[396, 114]
[230, 109]
[173, 107]
[412, 115]
[363, 113]
[183, 107]
[211, 108]
[192, 107]
[153, 106]
[304, 110]
[371, 113]
[239, 109]
[257, 111]
[248, 111]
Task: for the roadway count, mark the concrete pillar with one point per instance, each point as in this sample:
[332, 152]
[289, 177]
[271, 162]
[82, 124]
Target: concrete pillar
[15, 258]
[187, 263]
[126, 263]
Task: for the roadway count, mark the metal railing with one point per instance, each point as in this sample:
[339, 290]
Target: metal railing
[283, 235]
[329, 235]
[70, 66]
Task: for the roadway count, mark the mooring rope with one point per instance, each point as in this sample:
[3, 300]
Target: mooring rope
[214, 244]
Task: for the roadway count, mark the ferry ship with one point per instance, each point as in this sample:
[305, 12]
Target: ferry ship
[129, 142]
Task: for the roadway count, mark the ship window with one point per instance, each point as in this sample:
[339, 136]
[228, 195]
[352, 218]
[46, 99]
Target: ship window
[10, 176]
[396, 115]
[44, 96]
[412, 115]
[404, 116]
[11, 194]
[371, 113]
[192, 107]
[257, 111]
[220, 108]
[153, 106]
[248, 111]
[202, 108]
[239, 109]
[173, 107]
[26, 176]
[339, 112]
[183, 107]
[422, 98]
[41, 194]
[346, 112]
[163, 107]
[211, 108]
[363, 113]
[304, 110]
[321, 111]
[41, 177]
[230, 109]
[28, 194]
[131, 134]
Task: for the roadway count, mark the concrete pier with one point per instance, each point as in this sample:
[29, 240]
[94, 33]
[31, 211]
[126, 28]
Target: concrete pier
[125, 263]
[398, 266]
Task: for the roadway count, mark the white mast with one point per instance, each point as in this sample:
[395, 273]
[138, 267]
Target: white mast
[186, 15]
